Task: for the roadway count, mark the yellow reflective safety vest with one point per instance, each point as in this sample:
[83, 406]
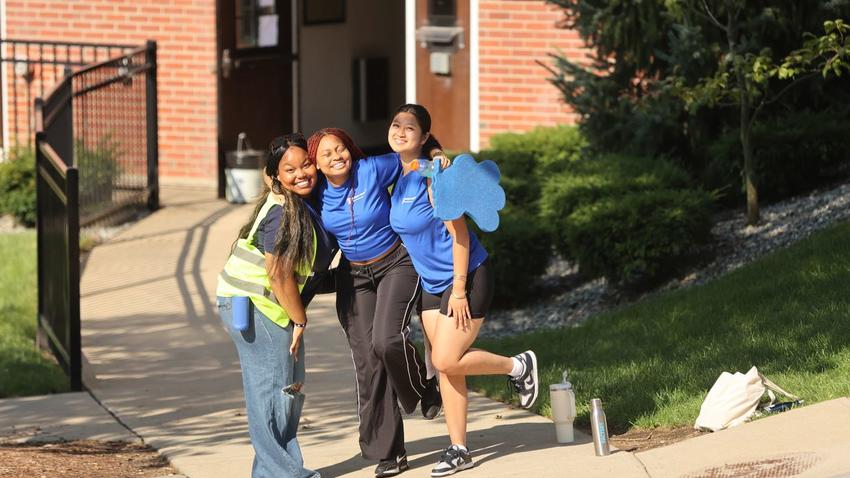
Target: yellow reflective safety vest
[245, 273]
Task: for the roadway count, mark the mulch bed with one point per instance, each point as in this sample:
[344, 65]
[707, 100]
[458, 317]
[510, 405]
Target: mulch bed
[636, 440]
[90, 459]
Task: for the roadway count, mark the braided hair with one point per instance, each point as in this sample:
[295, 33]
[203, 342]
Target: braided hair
[316, 138]
[294, 239]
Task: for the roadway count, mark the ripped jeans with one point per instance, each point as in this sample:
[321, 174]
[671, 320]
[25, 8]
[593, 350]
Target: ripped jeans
[274, 410]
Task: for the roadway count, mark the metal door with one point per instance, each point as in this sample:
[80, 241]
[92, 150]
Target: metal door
[442, 68]
[256, 59]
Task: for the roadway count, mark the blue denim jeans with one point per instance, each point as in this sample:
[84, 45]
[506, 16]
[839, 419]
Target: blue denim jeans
[273, 409]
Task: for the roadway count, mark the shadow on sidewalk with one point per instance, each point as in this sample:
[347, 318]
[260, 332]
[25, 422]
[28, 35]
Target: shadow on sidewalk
[175, 382]
[486, 445]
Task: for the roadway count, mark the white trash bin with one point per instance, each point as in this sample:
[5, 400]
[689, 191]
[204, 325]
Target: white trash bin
[243, 172]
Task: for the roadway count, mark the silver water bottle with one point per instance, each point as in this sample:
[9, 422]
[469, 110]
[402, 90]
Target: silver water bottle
[599, 427]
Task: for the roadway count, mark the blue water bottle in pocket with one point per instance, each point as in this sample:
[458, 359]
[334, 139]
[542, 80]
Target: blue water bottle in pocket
[241, 311]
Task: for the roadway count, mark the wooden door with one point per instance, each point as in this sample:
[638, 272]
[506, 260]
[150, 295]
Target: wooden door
[255, 61]
[445, 95]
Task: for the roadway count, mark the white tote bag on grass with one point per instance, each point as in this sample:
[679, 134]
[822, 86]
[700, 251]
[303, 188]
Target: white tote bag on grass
[733, 399]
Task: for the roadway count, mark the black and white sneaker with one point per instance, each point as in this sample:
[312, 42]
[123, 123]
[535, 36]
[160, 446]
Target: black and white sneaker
[526, 384]
[453, 460]
[432, 401]
[391, 467]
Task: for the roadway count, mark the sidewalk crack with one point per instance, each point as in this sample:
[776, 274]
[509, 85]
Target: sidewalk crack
[642, 465]
[114, 415]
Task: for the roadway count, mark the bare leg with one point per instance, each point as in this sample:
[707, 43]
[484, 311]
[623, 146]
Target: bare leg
[451, 352]
[455, 406]
[451, 355]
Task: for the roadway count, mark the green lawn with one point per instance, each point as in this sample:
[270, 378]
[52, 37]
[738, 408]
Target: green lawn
[23, 370]
[652, 363]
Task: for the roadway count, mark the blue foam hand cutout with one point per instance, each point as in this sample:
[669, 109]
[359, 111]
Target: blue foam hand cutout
[469, 188]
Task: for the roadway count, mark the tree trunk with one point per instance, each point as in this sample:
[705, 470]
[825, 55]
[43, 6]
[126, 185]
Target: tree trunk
[746, 115]
[749, 169]
[747, 148]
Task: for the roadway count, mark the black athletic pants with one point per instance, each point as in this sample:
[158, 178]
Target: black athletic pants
[374, 305]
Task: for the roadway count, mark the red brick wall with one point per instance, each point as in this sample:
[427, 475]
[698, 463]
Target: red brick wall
[514, 92]
[185, 31]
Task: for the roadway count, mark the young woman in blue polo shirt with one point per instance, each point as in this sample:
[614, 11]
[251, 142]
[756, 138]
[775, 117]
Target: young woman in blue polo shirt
[457, 288]
[377, 291]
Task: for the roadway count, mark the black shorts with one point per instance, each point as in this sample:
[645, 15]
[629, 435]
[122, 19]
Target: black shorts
[480, 287]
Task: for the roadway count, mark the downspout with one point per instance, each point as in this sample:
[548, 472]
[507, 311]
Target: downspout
[410, 51]
[474, 83]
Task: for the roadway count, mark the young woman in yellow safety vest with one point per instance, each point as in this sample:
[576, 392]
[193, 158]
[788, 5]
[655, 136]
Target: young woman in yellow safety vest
[278, 263]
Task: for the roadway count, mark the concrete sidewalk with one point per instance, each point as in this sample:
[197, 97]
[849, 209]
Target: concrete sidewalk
[158, 358]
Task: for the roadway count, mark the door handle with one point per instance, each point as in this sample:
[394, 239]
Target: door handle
[226, 63]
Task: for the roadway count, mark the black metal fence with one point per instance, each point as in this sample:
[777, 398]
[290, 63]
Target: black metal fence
[96, 156]
[115, 134]
[113, 128]
[33, 67]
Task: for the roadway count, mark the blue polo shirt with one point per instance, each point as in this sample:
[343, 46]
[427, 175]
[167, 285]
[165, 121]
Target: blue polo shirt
[425, 236]
[358, 212]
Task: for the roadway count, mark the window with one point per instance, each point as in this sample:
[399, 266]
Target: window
[256, 24]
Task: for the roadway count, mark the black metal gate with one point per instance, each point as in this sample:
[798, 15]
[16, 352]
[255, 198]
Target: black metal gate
[96, 156]
[33, 67]
[58, 215]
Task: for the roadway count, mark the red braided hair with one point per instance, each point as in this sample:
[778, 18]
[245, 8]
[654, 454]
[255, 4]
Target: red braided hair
[316, 138]
[355, 152]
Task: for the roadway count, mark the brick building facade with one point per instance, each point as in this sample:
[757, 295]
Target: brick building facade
[514, 92]
[510, 37]
[186, 38]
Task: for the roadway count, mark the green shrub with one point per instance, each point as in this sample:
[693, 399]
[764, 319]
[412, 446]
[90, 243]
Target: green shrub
[522, 246]
[525, 159]
[522, 189]
[609, 176]
[98, 166]
[640, 236]
[793, 154]
[519, 252]
[552, 147]
[17, 186]
[628, 218]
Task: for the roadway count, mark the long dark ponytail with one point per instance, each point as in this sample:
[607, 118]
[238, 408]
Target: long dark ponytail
[294, 238]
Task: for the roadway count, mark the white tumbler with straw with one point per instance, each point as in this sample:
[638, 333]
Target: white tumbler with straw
[563, 402]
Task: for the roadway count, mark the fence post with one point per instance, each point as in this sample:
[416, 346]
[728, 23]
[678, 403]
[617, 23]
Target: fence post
[41, 340]
[72, 193]
[152, 127]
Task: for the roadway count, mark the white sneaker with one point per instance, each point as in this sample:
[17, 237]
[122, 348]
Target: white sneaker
[453, 460]
[526, 385]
